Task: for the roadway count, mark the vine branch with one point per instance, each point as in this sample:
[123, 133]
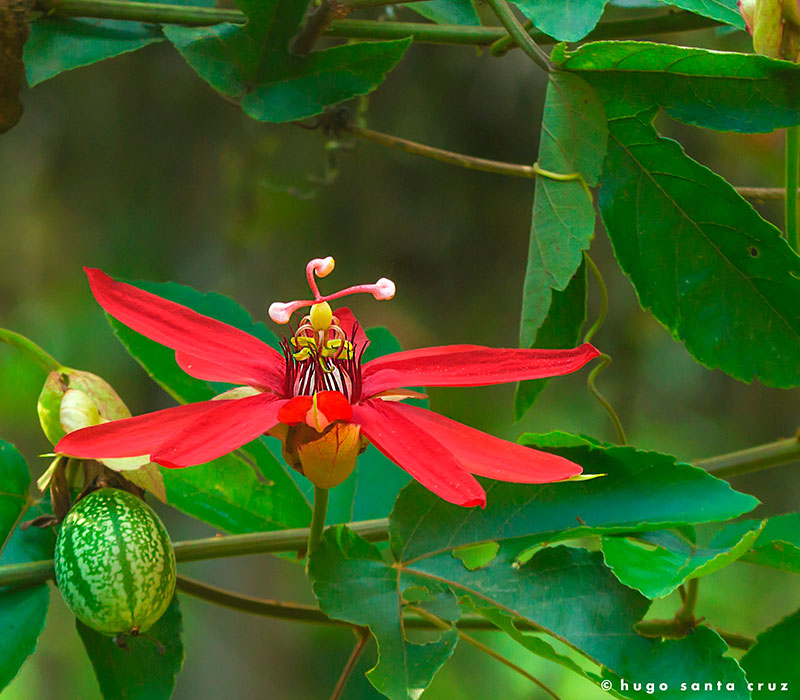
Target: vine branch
[362, 637]
[523, 39]
[192, 15]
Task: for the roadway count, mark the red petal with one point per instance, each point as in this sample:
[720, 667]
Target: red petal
[211, 371]
[131, 437]
[348, 322]
[228, 426]
[413, 449]
[470, 365]
[246, 358]
[486, 455]
[294, 411]
[334, 405]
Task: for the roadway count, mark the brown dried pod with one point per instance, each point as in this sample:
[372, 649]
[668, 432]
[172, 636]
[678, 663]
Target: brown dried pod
[14, 31]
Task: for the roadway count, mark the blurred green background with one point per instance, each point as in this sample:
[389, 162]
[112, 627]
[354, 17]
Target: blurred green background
[137, 167]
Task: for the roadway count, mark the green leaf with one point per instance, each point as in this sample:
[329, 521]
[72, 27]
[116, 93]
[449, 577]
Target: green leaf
[773, 660]
[565, 21]
[642, 491]
[15, 478]
[709, 268]
[139, 672]
[779, 544]
[573, 140]
[353, 583]
[23, 611]
[567, 592]
[447, 11]
[228, 493]
[721, 10]
[561, 329]
[711, 89]
[57, 44]
[661, 561]
[253, 66]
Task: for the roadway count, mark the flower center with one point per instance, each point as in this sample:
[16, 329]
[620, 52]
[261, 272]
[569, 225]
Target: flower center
[319, 354]
[322, 358]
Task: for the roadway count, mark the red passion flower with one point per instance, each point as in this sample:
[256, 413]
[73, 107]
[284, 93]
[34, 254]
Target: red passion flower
[318, 398]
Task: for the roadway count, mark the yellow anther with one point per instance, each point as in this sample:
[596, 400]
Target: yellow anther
[321, 316]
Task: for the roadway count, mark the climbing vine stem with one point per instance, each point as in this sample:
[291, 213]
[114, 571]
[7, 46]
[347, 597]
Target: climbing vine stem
[515, 29]
[601, 286]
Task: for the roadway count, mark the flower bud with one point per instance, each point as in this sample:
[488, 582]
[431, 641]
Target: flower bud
[98, 392]
[72, 399]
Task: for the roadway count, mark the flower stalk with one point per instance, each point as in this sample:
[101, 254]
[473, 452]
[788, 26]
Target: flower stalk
[317, 518]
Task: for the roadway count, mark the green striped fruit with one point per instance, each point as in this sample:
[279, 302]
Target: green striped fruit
[115, 566]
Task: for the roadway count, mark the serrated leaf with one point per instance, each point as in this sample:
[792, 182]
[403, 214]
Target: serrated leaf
[353, 583]
[23, 611]
[709, 268]
[58, 44]
[447, 11]
[253, 66]
[139, 672]
[566, 592]
[661, 561]
[560, 329]
[227, 493]
[779, 544]
[642, 491]
[721, 10]
[717, 90]
[772, 661]
[566, 21]
[573, 140]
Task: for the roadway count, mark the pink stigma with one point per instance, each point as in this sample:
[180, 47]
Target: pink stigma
[281, 312]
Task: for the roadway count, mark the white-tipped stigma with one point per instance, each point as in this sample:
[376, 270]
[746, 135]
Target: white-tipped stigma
[281, 312]
[384, 289]
[323, 266]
